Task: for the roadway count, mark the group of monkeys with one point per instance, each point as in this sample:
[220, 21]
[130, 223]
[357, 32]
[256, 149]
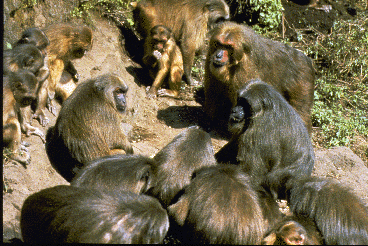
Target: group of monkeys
[260, 91]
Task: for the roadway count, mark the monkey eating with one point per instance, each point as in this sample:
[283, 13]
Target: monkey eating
[163, 59]
[189, 20]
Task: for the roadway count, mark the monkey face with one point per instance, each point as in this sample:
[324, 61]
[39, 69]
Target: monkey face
[78, 52]
[119, 97]
[160, 34]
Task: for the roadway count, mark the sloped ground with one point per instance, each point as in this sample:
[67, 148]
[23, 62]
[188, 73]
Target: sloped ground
[155, 122]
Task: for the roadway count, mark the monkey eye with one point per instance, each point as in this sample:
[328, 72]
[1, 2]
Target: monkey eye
[119, 90]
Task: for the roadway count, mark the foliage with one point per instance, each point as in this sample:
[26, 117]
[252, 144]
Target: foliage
[28, 3]
[262, 15]
[341, 95]
[106, 7]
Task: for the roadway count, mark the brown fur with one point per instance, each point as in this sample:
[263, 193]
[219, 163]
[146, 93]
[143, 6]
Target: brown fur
[339, 214]
[67, 43]
[68, 214]
[219, 206]
[19, 90]
[163, 58]
[293, 230]
[177, 161]
[189, 21]
[89, 125]
[38, 38]
[117, 173]
[237, 54]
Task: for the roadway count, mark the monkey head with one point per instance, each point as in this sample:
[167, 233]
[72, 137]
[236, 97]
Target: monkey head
[227, 51]
[82, 43]
[241, 114]
[160, 35]
[218, 12]
[24, 85]
[36, 37]
[25, 56]
[115, 91]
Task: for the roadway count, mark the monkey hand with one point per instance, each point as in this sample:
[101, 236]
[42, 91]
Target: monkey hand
[157, 54]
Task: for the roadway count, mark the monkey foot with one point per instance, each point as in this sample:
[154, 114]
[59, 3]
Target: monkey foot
[21, 156]
[150, 92]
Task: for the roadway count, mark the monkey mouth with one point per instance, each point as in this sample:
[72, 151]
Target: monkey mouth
[218, 64]
[121, 108]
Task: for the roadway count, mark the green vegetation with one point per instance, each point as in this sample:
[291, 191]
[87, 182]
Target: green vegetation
[341, 95]
[106, 7]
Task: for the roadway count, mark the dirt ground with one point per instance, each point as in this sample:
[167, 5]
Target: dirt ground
[151, 125]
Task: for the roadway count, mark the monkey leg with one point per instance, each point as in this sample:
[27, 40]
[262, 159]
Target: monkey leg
[161, 74]
[25, 120]
[66, 86]
[176, 74]
[42, 98]
[188, 58]
[12, 135]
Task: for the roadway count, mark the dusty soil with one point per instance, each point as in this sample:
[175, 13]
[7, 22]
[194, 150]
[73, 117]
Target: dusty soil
[153, 122]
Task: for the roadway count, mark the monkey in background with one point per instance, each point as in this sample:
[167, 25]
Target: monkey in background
[237, 55]
[67, 43]
[163, 58]
[19, 90]
[39, 39]
[189, 21]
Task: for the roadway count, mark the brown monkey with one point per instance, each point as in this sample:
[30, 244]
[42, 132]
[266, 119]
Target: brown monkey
[294, 230]
[339, 214]
[67, 43]
[178, 160]
[68, 214]
[189, 21]
[19, 90]
[89, 125]
[219, 206]
[38, 38]
[163, 58]
[237, 54]
[117, 173]
[270, 141]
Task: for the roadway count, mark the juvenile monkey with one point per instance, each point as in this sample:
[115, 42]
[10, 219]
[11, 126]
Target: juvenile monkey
[67, 43]
[163, 58]
[19, 90]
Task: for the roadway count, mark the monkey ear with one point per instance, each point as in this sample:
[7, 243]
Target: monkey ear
[179, 211]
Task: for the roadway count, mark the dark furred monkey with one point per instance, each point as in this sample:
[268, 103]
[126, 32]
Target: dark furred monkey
[68, 214]
[163, 58]
[19, 91]
[293, 230]
[177, 161]
[39, 39]
[117, 173]
[219, 206]
[270, 141]
[237, 54]
[339, 214]
[89, 125]
[189, 21]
